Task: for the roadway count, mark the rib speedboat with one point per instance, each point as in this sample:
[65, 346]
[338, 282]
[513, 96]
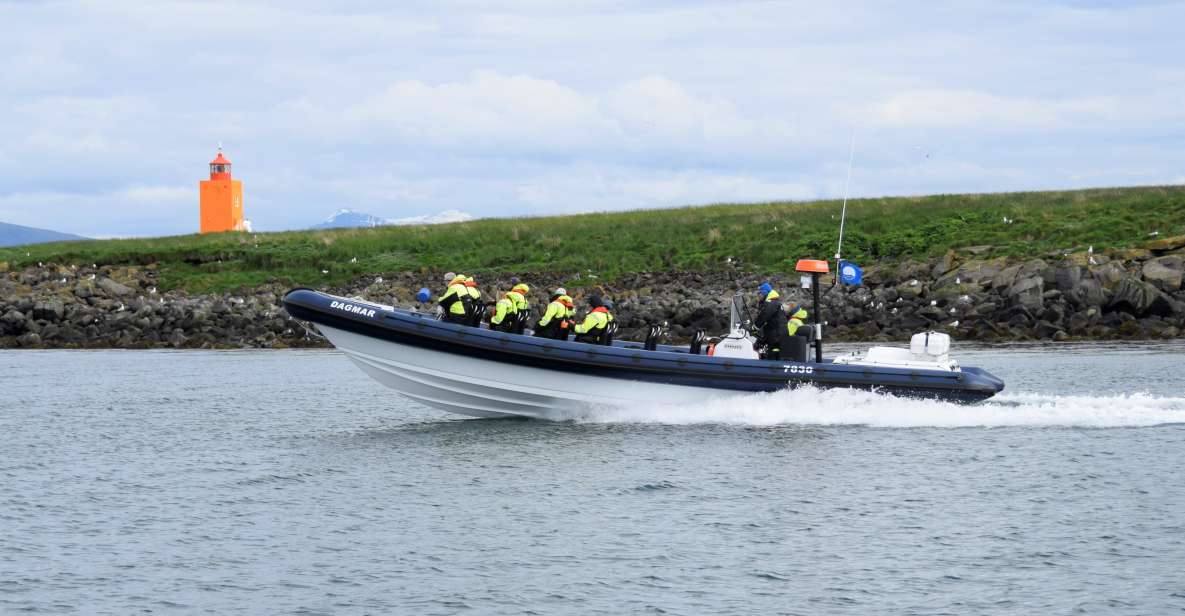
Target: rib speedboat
[484, 373]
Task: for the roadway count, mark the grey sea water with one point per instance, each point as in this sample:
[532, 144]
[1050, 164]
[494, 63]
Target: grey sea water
[286, 482]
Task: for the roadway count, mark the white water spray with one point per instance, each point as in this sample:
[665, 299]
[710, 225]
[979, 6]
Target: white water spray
[838, 407]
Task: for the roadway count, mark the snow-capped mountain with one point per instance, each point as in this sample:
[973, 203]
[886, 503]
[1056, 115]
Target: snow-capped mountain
[350, 218]
[433, 219]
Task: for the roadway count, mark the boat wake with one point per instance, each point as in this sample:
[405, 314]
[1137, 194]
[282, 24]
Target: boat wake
[840, 407]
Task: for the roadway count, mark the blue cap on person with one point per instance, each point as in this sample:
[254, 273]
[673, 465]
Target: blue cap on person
[765, 288]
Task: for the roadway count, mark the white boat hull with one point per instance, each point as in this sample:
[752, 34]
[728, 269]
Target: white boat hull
[484, 388]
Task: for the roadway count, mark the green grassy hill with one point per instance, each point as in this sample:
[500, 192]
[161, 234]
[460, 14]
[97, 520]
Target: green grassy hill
[762, 237]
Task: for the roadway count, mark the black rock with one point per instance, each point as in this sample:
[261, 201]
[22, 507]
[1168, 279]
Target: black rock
[1140, 299]
[49, 310]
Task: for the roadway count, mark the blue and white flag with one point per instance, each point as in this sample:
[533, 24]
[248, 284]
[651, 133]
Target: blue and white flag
[850, 273]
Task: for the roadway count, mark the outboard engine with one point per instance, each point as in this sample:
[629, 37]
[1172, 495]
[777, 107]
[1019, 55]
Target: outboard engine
[927, 350]
[930, 346]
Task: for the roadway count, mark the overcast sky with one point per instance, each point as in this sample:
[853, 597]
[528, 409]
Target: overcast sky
[113, 109]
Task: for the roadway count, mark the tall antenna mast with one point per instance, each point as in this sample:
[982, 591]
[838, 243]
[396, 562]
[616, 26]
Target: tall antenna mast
[844, 212]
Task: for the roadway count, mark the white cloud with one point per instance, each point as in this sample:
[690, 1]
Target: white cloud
[519, 113]
[657, 107]
[968, 109]
[158, 194]
[488, 108]
[588, 189]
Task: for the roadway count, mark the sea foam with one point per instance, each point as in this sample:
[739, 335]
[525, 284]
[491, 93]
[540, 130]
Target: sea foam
[837, 407]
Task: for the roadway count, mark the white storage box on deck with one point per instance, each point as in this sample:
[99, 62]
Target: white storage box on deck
[934, 344]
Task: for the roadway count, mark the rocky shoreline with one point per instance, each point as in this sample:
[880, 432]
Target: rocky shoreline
[1131, 293]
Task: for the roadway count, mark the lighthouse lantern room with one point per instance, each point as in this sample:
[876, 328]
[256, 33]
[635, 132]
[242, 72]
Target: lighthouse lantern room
[221, 199]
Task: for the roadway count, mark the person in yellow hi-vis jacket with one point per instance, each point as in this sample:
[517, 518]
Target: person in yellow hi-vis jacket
[522, 307]
[797, 318]
[455, 301]
[554, 323]
[505, 312]
[569, 316]
[476, 308]
[520, 291]
[595, 324]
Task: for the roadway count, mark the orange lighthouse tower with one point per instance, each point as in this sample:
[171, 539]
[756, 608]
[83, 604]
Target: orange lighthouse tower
[221, 198]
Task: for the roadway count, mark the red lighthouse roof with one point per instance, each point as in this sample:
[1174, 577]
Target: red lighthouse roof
[220, 167]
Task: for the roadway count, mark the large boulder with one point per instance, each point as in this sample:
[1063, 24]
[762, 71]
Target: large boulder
[113, 288]
[1129, 254]
[979, 273]
[1140, 299]
[1080, 321]
[910, 289]
[1046, 330]
[1066, 276]
[49, 310]
[1165, 272]
[705, 318]
[1109, 274]
[932, 313]
[1005, 277]
[13, 322]
[908, 270]
[1088, 292]
[1028, 292]
[1165, 244]
[944, 264]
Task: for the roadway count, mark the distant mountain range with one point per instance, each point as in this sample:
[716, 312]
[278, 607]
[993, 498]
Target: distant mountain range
[16, 235]
[351, 218]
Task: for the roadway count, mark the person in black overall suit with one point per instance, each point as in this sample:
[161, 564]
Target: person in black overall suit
[770, 324]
